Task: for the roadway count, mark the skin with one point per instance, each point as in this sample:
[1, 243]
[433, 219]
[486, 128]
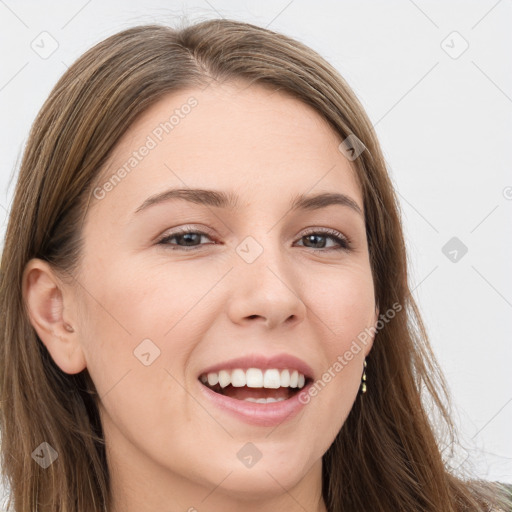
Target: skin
[168, 447]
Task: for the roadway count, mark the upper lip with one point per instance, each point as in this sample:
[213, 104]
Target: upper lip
[278, 361]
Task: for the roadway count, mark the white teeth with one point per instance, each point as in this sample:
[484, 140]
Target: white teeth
[238, 378]
[213, 378]
[272, 379]
[294, 379]
[224, 378]
[255, 378]
[264, 400]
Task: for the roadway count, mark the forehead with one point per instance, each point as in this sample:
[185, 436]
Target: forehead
[250, 140]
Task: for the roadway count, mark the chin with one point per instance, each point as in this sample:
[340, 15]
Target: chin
[276, 470]
[258, 484]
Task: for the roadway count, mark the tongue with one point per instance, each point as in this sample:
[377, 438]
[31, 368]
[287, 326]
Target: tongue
[245, 392]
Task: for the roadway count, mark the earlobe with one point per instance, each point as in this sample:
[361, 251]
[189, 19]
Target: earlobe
[45, 300]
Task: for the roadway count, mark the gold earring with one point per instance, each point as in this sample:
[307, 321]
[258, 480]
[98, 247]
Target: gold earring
[68, 328]
[363, 378]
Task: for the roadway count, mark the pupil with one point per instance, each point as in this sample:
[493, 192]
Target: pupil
[315, 237]
[187, 237]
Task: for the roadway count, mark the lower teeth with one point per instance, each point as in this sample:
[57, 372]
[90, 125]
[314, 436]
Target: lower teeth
[263, 400]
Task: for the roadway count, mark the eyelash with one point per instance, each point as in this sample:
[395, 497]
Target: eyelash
[344, 242]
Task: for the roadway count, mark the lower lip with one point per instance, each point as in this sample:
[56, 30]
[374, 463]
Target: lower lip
[264, 415]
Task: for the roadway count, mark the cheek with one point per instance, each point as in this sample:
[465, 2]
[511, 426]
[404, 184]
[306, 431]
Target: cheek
[143, 395]
[130, 302]
[343, 302]
[138, 343]
[133, 327]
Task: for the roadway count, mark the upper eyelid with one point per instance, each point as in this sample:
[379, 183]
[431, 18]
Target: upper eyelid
[206, 231]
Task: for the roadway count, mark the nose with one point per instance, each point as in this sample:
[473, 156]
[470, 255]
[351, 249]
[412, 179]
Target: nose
[267, 291]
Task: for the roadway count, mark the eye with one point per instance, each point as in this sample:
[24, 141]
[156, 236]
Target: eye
[188, 235]
[315, 237]
[191, 239]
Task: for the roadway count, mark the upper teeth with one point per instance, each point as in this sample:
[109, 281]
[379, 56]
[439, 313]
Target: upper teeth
[255, 378]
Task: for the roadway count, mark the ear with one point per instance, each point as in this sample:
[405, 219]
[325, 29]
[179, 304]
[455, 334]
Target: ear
[47, 300]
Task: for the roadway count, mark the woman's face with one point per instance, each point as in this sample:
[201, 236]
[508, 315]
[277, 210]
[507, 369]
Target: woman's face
[257, 281]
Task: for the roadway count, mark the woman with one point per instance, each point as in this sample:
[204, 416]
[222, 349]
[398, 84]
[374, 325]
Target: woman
[281, 364]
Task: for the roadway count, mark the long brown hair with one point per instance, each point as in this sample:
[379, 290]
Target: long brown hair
[386, 457]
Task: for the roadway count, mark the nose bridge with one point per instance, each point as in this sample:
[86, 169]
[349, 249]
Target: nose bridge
[263, 256]
[268, 268]
[264, 282]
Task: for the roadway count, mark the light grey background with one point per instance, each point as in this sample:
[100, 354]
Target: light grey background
[443, 114]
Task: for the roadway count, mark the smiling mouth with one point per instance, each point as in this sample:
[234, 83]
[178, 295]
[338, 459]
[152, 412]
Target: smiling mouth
[256, 385]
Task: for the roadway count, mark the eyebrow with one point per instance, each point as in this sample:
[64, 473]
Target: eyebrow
[229, 200]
